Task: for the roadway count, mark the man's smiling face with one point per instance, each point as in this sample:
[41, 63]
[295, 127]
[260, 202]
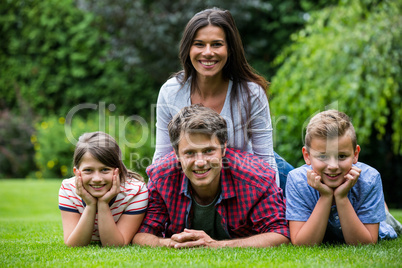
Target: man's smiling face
[201, 156]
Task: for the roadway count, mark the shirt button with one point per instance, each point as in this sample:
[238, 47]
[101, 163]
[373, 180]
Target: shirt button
[340, 228]
[336, 217]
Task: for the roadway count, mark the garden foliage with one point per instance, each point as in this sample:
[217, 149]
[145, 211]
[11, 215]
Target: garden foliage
[349, 58]
[58, 54]
[147, 33]
[57, 57]
[55, 141]
[16, 149]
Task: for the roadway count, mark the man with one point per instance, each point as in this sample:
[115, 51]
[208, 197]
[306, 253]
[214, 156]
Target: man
[204, 194]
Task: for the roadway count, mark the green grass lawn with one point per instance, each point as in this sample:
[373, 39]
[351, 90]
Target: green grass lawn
[31, 236]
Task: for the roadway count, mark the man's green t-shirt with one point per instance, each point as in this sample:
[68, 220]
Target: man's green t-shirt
[206, 218]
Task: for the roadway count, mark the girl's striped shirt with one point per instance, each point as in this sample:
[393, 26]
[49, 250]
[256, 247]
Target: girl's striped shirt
[132, 199]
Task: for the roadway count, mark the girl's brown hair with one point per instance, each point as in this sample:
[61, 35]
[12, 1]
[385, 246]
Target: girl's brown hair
[105, 149]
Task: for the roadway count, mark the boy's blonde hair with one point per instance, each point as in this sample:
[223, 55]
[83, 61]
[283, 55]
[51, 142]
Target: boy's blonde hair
[329, 124]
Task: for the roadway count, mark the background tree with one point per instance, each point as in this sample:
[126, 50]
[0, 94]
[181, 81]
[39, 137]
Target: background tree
[117, 52]
[58, 57]
[347, 57]
[53, 57]
[147, 33]
[16, 149]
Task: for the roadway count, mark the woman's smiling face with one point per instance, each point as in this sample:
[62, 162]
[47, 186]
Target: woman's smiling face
[209, 51]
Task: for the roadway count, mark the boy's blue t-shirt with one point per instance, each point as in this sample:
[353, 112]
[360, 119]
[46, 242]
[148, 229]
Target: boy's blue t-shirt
[366, 197]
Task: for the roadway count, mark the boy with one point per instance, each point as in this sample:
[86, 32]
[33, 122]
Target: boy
[334, 198]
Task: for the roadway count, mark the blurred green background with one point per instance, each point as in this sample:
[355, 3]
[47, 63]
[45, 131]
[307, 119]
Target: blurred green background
[68, 67]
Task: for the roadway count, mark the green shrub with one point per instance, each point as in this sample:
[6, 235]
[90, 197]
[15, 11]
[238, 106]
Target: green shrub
[348, 58]
[55, 141]
[58, 57]
[146, 34]
[16, 150]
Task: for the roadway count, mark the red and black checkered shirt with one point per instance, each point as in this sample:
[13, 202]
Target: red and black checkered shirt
[250, 201]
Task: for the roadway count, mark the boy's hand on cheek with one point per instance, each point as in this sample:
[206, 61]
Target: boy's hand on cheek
[315, 181]
[354, 173]
[350, 180]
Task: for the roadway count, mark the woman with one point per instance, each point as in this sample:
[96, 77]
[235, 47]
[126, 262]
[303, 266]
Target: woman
[216, 74]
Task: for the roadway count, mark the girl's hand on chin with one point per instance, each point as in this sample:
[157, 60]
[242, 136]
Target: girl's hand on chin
[82, 192]
[114, 190]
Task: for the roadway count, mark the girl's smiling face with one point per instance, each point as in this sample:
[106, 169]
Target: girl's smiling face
[97, 178]
[331, 158]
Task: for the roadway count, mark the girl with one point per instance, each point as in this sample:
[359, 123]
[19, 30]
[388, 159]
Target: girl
[217, 74]
[104, 201]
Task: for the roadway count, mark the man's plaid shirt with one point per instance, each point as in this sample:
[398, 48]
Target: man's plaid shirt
[250, 201]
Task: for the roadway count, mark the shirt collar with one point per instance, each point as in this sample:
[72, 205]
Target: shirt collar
[227, 184]
[184, 185]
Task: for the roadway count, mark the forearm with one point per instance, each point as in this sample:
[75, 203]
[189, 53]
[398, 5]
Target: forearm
[257, 241]
[354, 231]
[146, 239]
[82, 233]
[312, 232]
[108, 231]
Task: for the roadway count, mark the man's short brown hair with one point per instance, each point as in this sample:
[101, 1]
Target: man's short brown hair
[197, 119]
